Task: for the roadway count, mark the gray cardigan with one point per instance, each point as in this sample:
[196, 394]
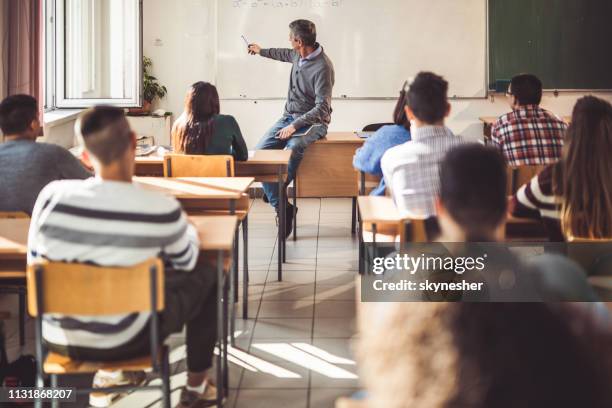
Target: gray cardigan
[310, 87]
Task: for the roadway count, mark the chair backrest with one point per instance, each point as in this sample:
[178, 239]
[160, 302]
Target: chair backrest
[373, 127]
[13, 214]
[519, 175]
[81, 289]
[188, 165]
[591, 253]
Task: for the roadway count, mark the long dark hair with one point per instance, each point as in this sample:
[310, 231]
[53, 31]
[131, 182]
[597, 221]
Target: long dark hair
[193, 130]
[586, 171]
[399, 113]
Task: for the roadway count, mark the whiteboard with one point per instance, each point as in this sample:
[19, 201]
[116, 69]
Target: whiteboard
[375, 45]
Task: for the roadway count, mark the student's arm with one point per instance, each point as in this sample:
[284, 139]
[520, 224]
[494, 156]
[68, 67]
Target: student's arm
[367, 158]
[239, 147]
[323, 94]
[278, 54]
[183, 251]
[68, 166]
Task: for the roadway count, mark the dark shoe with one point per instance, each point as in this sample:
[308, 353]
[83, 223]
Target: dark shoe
[191, 399]
[289, 220]
[265, 199]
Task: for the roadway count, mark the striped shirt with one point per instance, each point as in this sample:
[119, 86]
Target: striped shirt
[411, 169]
[106, 223]
[529, 135]
[538, 200]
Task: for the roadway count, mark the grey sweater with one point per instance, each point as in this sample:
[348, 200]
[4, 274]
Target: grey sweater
[26, 167]
[310, 87]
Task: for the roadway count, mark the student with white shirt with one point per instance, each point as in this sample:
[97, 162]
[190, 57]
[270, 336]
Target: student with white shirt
[108, 221]
[411, 170]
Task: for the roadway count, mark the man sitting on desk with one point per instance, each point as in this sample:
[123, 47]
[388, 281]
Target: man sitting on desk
[308, 108]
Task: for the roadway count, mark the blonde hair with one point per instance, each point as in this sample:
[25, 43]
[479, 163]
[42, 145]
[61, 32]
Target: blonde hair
[412, 364]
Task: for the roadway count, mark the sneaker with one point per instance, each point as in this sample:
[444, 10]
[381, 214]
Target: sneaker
[191, 399]
[103, 380]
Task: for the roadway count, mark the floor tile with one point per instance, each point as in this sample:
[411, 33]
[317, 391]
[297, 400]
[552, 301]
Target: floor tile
[286, 309]
[295, 277]
[326, 397]
[283, 329]
[334, 309]
[329, 276]
[275, 375]
[344, 291]
[264, 398]
[333, 328]
[288, 291]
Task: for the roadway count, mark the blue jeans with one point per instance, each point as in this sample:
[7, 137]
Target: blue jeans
[297, 145]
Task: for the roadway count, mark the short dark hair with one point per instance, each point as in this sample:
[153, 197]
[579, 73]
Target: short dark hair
[427, 97]
[527, 88]
[105, 132]
[305, 30]
[473, 188]
[17, 113]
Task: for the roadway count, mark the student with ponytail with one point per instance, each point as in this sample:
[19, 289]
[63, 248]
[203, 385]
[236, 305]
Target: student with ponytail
[367, 158]
[202, 130]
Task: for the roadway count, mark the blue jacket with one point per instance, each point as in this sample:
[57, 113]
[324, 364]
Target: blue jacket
[367, 158]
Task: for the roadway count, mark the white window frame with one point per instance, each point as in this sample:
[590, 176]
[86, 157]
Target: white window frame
[55, 63]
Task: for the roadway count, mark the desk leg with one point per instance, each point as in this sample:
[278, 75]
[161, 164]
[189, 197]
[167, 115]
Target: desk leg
[220, 326]
[295, 208]
[361, 248]
[354, 216]
[281, 224]
[233, 289]
[226, 303]
[245, 271]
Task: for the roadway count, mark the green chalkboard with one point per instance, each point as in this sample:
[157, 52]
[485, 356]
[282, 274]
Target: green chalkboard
[567, 43]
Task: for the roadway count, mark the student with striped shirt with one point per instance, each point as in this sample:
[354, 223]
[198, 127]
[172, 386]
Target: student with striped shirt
[411, 170]
[574, 196]
[529, 135]
[107, 220]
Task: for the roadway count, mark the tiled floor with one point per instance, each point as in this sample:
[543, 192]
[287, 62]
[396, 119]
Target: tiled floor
[295, 348]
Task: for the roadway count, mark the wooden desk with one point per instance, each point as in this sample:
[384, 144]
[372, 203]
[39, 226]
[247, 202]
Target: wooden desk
[272, 166]
[327, 167]
[489, 121]
[201, 195]
[262, 165]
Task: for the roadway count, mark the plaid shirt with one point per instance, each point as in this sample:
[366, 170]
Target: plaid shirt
[411, 169]
[529, 135]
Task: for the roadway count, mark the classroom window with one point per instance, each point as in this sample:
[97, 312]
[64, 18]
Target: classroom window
[93, 53]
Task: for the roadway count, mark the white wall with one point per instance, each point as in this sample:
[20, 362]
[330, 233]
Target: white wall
[186, 29]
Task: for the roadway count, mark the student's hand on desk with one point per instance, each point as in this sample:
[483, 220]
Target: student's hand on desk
[286, 132]
[254, 49]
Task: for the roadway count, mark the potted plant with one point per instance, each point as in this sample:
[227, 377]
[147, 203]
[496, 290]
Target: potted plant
[151, 89]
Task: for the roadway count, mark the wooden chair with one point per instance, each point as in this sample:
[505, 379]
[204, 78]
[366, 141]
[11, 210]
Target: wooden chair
[80, 289]
[184, 165]
[13, 214]
[187, 165]
[519, 175]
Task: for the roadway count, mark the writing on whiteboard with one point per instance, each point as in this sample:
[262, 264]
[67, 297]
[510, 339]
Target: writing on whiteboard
[286, 3]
